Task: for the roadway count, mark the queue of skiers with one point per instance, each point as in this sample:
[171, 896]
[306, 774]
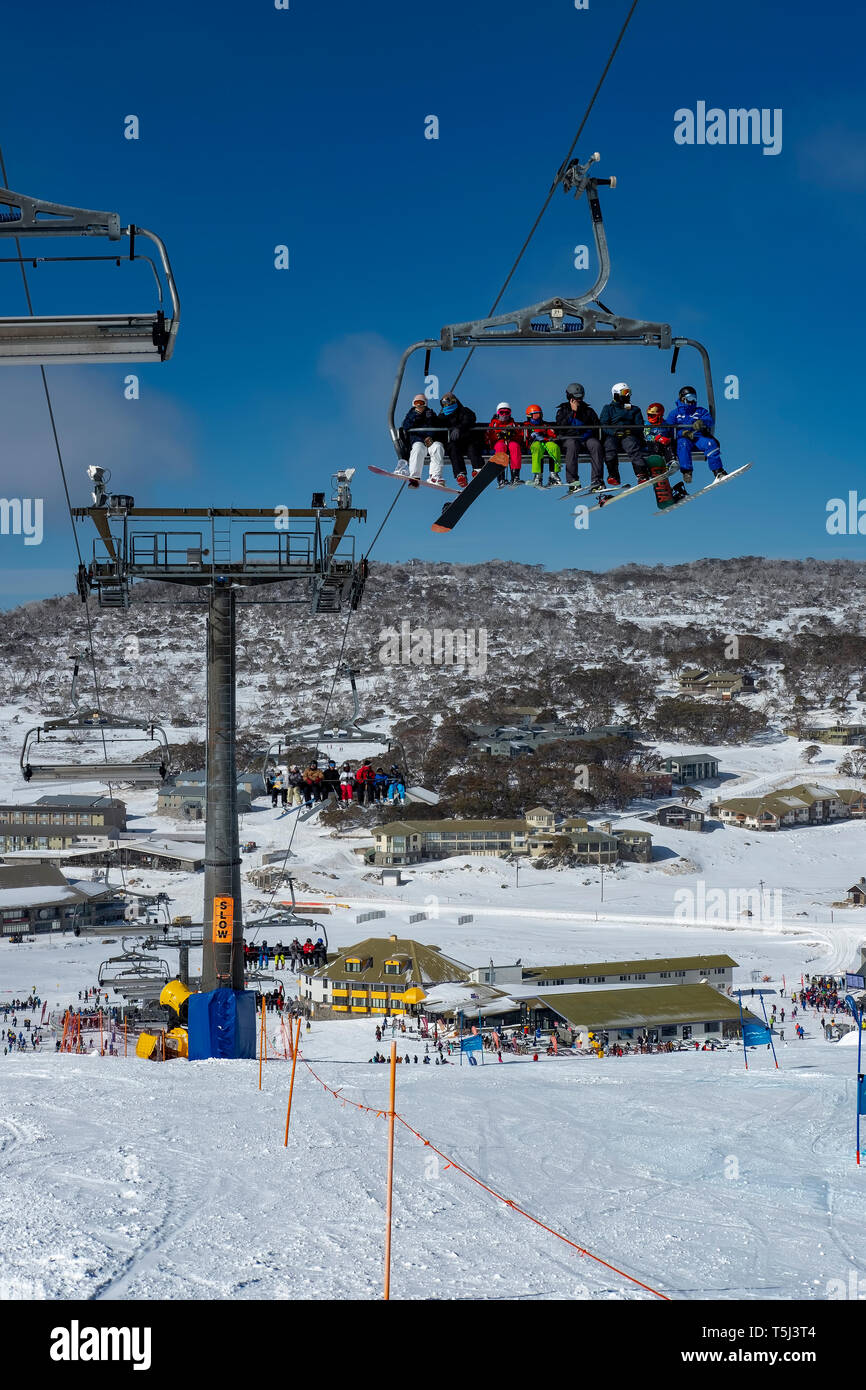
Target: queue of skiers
[575, 432]
[364, 784]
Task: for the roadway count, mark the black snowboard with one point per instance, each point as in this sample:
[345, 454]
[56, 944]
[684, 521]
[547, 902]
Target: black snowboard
[452, 511]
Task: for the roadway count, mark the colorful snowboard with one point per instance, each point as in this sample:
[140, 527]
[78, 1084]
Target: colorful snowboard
[711, 487]
[404, 478]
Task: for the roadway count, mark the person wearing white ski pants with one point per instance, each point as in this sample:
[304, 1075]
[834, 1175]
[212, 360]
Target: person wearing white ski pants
[418, 457]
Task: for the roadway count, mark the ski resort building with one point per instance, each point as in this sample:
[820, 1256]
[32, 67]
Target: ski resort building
[38, 898]
[189, 800]
[724, 684]
[789, 807]
[679, 817]
[674, 1013]
[382, 975]
[59, 822]
[844, 735]
[692, 767]
[717, 971]
[412, 842]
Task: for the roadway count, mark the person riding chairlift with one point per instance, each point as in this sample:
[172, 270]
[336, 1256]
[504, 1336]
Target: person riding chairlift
[505, 440]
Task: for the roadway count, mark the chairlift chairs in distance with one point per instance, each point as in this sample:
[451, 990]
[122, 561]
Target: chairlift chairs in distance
[95, 731]
[81, 338]
[312, 736]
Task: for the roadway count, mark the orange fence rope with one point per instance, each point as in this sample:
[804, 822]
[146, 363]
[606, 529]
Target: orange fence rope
[506, 1201]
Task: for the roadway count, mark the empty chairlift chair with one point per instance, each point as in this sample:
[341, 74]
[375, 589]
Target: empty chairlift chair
[81, 338]
[93, 732]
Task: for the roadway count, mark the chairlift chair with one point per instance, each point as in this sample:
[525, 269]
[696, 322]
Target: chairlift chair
[315, 736]
[80, 338]
[91, 729]
[568, 321]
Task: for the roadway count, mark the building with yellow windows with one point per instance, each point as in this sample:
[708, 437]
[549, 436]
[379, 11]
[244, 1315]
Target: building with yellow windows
[382, 975]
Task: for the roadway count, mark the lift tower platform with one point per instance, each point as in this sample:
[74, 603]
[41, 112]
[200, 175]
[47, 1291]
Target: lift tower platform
[224, 552]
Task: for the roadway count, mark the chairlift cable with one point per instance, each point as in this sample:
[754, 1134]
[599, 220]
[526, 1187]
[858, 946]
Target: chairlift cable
[553, 187]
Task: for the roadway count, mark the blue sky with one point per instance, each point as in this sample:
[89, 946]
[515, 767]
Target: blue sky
[305, 127]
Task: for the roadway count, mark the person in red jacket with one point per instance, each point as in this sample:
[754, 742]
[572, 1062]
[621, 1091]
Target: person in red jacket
[505, 436]
[364, 779]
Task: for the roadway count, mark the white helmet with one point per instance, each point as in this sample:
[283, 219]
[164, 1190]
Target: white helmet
[503, 405]
[620, 388]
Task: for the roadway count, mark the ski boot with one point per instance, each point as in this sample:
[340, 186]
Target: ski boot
[720, 473]
[613, 480]
[461, 479]
[535, 481]
[414, 482]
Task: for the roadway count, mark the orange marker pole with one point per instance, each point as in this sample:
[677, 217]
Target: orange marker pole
[262, 1043]
[390, 1180]
[295, 1052]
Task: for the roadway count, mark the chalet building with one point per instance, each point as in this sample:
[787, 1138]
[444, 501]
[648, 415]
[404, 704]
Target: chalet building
[855, 801]
[784, 809]
[377, 976]
[844, 735]
[723, 684]
[679, 817]
[39, 898]
[507, 740]
[412, 842]
[59, 822]
[857, 894]
[675, 1013]
[687, 768]
[142, 852]
[680, 970]
[188, 800]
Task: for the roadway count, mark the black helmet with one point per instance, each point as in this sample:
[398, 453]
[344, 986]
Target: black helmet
[686, 392]
[574, 389]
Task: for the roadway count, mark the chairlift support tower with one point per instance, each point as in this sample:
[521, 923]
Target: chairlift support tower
[145, 545]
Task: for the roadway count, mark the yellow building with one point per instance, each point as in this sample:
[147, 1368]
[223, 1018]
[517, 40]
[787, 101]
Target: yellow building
[382, 975]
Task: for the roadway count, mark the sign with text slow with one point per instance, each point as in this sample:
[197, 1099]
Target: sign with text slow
[223, 920]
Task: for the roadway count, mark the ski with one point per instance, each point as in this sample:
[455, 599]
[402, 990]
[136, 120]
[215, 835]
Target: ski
[611, 495]
[404, 478]
[711, 487]
[452, 511]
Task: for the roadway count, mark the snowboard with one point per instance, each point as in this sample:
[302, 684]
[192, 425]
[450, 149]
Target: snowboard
[404, 478]
[452, 511]
[711, 487]
[616, 494]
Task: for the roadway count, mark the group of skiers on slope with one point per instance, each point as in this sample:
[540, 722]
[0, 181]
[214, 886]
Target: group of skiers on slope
[620, 429]
[364, 784]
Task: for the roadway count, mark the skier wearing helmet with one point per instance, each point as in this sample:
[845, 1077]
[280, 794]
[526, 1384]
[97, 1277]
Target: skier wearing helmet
[661, 453]
[576, 420]
[624, 434]
[505, 438]
[694, 430]
[542, 442]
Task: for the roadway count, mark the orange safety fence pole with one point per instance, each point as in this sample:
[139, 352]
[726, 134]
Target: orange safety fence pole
[295, 1050]
[506, 1201]
[390, 1179]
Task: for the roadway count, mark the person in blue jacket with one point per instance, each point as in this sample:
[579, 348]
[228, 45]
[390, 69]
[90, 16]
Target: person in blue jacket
[694, 430]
